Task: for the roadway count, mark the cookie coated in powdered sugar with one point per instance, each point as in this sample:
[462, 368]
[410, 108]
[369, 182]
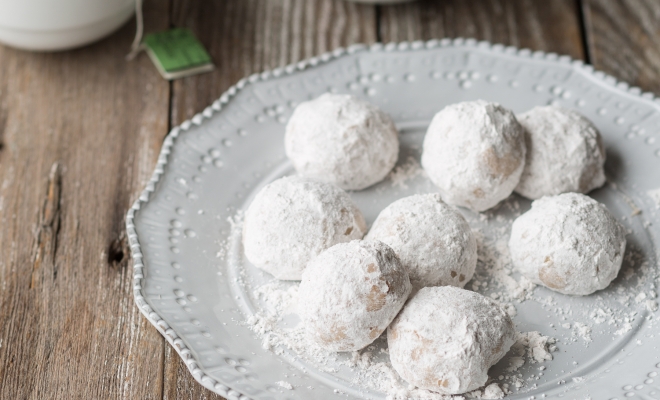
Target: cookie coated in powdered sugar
[350, 293]
[293, 219]
[342, 140]
[565, 153]
[432, 239]
[569, 243]
[474, 152]
[447, 338]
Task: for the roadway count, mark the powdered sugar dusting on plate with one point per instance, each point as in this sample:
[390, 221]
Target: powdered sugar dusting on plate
[554, 326]
[655, 196]
[406, 171]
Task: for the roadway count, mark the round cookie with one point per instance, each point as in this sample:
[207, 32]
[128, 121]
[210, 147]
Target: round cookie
[565, 153]
[293, 219]
[447, 338]
[432, 239]
[351, 292]
[569, 243]
[474, 152]
[342, 140]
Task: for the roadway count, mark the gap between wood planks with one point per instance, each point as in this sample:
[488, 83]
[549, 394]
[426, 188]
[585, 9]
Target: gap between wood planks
[582, 18]
[3, 124]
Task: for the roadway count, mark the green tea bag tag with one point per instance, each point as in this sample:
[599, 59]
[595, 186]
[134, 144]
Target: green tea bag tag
[177, 53]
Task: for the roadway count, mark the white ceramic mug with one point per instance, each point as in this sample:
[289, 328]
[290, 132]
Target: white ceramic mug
[60, 24]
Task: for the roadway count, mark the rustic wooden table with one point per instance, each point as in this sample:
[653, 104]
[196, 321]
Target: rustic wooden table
[80, 132]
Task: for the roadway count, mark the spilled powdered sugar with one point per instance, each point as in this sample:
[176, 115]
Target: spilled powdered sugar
[285, 385]
[655, 196]
[406, 171]
[532, 347]
[277, 324]
[542, 354]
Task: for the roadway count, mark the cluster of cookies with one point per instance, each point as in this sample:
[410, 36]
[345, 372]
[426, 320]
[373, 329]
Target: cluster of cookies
[408, 272]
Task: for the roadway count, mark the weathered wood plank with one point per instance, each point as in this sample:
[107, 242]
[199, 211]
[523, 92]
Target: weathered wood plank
[244, 37]
[624, 40]
[80, 133]
[551, 26]
[248, 36]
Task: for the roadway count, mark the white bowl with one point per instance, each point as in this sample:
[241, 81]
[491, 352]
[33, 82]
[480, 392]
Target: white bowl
[47, 25]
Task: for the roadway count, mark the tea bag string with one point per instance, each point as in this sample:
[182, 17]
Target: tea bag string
[136, 46]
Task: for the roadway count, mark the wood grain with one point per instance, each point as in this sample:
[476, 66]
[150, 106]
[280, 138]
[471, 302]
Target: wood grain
[248, 36]
[624, 40]
[80, 133]
[552, 26]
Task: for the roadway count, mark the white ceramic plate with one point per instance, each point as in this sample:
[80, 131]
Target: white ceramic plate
[198, 295]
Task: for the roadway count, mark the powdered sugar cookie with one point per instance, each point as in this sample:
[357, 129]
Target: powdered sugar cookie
[474, 152]
[342, 140]
[350, 293]
[447, 338]
[565, 153]
[569, 243]
[293, 219]
[433, 240]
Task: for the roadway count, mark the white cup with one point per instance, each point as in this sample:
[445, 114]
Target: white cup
[47, 25]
